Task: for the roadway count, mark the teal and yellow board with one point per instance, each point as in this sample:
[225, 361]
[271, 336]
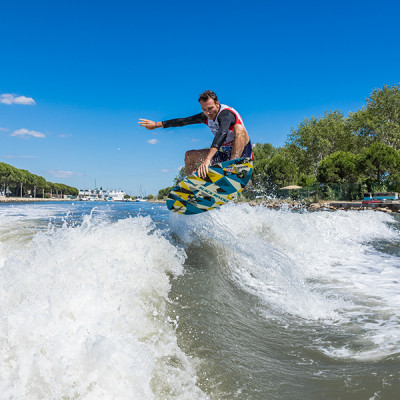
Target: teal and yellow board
[195, 195]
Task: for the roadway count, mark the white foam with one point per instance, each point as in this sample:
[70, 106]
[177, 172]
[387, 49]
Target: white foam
[320, 267]
[83, 315]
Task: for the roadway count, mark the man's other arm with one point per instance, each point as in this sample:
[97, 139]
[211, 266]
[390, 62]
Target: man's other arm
[226, 118]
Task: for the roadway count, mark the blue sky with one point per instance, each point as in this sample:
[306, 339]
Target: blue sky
[75, 77]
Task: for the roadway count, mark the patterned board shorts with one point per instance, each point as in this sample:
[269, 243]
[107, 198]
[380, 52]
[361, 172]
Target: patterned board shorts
[225, 155]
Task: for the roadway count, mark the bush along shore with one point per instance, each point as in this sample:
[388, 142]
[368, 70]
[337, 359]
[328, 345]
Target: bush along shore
[358, 205]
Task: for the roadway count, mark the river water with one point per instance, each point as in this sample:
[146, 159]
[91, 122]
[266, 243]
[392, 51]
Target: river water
[129, 301]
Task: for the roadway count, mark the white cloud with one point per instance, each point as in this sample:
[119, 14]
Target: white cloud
[195, 140]
[8, 98]
[26, 132]
[62, 174]
[64, 136]
[12, 157]
[3, 129]
[164, 170]
[152, 141]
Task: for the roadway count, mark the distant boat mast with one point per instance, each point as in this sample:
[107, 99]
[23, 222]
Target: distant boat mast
[142, 191]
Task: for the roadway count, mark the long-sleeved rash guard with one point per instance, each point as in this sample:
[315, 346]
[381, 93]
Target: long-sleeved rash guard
[225, 118]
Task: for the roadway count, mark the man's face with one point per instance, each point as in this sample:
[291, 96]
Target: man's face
[210, 108]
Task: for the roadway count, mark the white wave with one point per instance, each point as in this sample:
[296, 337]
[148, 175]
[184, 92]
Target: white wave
[84, 315]
[320, 267]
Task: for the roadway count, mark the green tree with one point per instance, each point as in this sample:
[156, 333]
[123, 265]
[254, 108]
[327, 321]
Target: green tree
[380, 119]
[379, 162]
[12, 178]
[281, 169]
[181, 175]
[162, 193]
[263, 154]
[306, 180]
[300, 158]
[263, 151]
[338, 167]
[316, 138]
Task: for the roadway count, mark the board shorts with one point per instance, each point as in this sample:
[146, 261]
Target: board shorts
[225, 154]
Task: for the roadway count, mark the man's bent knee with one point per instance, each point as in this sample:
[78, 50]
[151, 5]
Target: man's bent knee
[193, 158]
[196, 154]
[192, 155]
[192, 152]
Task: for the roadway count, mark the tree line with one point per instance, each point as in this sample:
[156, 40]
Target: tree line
[13, 179]
[362, 148]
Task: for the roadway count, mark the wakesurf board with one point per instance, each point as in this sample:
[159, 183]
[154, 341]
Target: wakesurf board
[195, 195]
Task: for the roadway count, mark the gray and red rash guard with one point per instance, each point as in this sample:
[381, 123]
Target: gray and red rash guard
[221, 127]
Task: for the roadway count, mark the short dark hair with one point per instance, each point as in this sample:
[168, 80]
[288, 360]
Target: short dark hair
[208, 94]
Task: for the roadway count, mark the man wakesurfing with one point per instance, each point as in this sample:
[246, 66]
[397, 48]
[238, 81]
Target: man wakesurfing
[231, 139]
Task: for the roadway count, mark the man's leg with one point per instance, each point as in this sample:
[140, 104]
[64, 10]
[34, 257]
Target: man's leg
[193, 158]
[240, 141]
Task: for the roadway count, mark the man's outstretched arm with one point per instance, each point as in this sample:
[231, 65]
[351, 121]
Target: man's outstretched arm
[171, 123]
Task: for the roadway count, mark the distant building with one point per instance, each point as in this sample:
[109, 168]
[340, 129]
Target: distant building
[99, 194]
[115, 194]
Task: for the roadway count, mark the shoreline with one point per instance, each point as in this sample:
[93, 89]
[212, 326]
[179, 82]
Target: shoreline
[10, 200]
[4, 199]
[357, 205]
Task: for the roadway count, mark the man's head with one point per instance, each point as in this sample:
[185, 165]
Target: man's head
[209, 104]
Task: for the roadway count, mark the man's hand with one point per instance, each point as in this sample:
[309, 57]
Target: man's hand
[203, 169]
[148, 124]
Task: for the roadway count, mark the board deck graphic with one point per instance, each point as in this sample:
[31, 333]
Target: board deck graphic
[223, 182]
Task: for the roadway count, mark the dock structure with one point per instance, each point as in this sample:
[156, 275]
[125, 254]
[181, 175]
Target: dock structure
[382, 201]
[386, 202]
[100, 194]
[388, 206]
